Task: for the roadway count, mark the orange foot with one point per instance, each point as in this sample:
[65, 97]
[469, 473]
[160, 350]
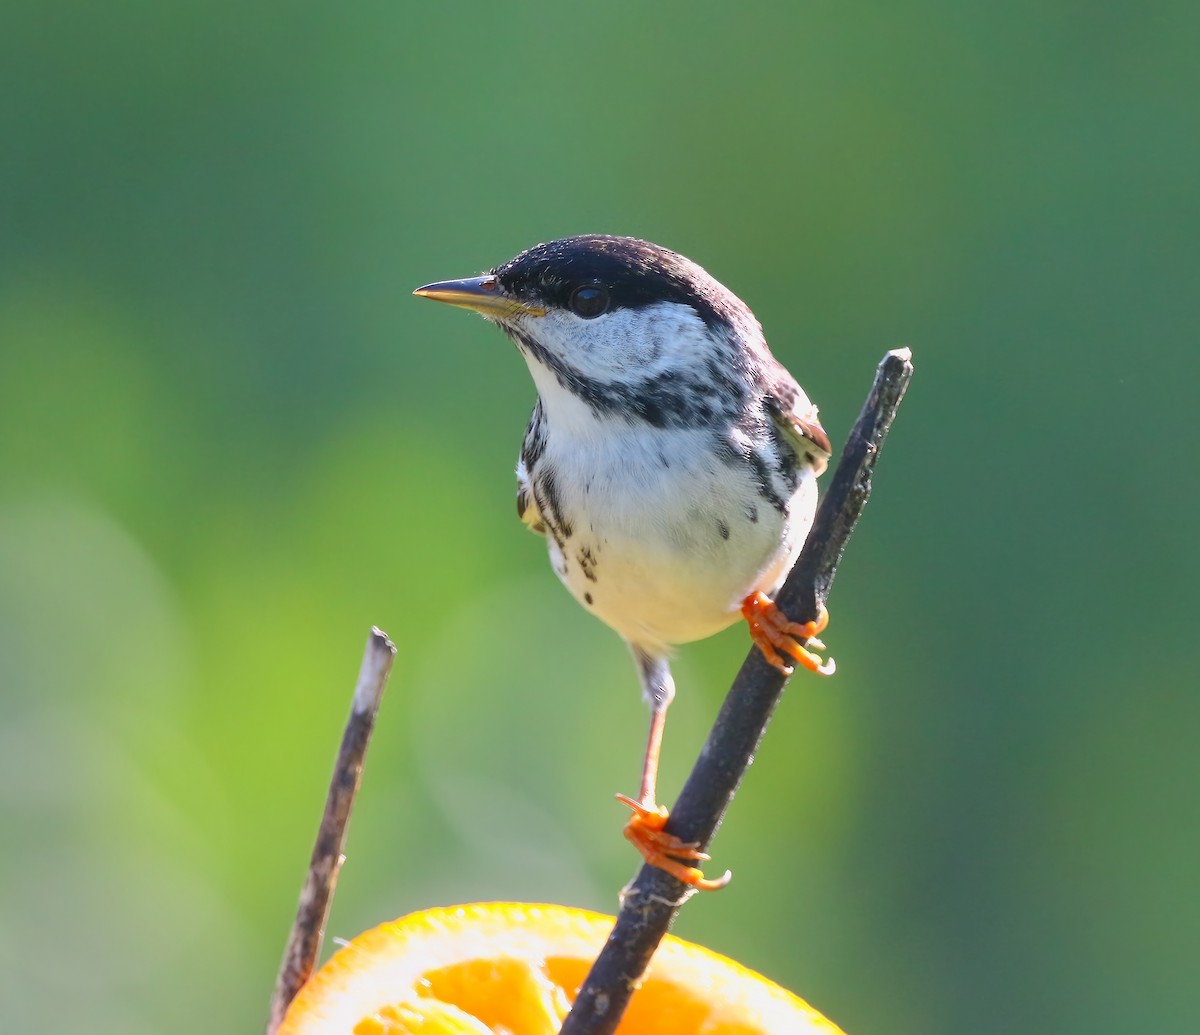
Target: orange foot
[773, 632]
[645, 832]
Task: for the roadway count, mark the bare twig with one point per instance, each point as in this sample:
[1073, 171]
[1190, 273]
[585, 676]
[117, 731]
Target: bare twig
[651, 902]
[304, 942]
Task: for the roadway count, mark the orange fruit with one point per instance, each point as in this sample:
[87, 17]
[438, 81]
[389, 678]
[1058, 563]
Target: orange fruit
[505, 967]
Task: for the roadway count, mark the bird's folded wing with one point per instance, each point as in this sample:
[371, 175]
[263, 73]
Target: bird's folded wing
[527, 508]
[796, 417]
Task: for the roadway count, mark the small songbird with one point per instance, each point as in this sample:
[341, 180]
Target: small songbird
[670, 462]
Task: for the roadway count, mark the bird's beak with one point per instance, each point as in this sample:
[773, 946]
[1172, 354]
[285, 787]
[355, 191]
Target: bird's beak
[483, 294]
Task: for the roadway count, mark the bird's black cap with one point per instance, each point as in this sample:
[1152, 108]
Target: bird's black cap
[636, 273]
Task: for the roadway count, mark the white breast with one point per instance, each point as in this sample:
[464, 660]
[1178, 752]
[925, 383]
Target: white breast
[661, 538]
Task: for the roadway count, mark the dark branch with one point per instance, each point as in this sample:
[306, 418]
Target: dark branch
[304, 942]
[650, 903]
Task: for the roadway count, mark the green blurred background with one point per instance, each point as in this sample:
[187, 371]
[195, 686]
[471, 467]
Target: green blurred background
[230, 441]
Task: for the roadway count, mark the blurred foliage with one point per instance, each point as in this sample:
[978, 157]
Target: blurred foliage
[230, 441]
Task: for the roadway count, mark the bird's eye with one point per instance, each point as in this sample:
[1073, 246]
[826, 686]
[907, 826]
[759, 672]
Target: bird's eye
[589, 300]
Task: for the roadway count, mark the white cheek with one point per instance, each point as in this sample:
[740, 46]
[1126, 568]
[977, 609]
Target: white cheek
[642, 342]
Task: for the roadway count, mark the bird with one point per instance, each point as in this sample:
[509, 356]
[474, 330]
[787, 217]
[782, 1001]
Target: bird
[670, 461]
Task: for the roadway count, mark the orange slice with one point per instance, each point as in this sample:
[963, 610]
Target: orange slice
[504, 967]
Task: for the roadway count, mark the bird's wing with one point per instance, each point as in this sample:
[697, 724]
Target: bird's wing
[796, 417]
[527, 508]
[531, 450]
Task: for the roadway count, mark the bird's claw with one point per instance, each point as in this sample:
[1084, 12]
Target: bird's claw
[666, 851]
[773, 631]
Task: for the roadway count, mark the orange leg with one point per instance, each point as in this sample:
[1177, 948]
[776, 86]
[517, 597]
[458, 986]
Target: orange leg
[645, 827]
[645, 832]
[774, 632]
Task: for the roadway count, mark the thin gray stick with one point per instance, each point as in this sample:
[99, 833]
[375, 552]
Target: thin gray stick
[650, 903]
[304, 942]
